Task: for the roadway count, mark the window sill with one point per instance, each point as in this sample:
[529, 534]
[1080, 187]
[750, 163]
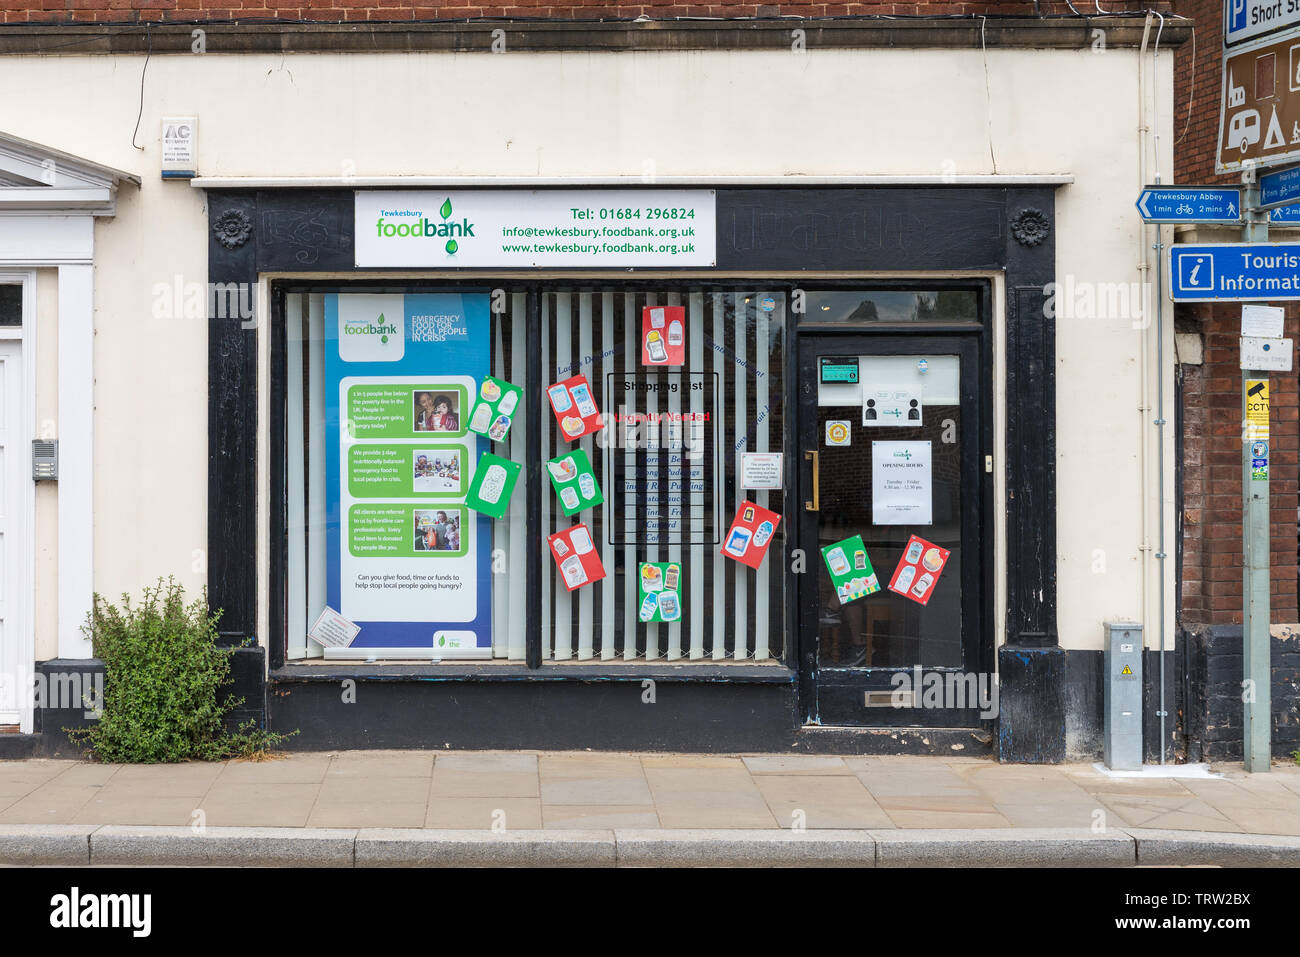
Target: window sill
[479, 671]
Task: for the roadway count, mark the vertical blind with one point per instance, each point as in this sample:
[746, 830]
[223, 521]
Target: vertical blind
[734, 354]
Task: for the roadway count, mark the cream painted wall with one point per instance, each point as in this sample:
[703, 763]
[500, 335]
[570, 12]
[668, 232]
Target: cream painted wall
[45, 578]
[695, 113]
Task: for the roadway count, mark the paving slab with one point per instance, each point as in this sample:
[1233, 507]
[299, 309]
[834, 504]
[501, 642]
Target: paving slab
[45, 844]
[828, 801]
[49, 804]
[222, 846]
[708, 797]
[137, 809]
[379, 790]
[367, 814]
[691, 761]
[495, 762]
[483, 813]
[453, 781]
[306, 768]
[796, 764]
[396, 847]
[372, 764]
[598, 816]
[593, 779]
[1022, 847]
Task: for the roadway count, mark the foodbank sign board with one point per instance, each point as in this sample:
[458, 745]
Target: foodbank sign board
[408, 557]
[535, 228]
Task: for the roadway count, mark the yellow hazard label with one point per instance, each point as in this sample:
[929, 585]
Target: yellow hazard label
[1256, 409]
[1127, 671]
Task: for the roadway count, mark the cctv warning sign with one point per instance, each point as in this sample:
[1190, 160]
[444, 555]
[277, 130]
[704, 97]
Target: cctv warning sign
[1259, 109]
[1256, 410]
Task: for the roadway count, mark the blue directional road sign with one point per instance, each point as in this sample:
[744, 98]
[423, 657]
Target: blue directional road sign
[1190, 204]
[1277, 189]
[1285, 215]
[1241, 272]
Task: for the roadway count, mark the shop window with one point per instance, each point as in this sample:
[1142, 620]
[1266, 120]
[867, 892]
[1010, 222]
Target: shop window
[380, 457]
[685, 395]
[889, 306]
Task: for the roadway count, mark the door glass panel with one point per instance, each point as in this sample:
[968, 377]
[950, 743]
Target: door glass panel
[884, 629]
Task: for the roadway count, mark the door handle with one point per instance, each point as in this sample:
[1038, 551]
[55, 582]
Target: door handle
[815, 504]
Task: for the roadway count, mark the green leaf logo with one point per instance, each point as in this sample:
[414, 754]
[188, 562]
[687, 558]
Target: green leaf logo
[446, 208]
[452, 246]
[442, 639]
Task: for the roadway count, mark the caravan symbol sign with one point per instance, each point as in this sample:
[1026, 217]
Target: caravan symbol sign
[1259, 105]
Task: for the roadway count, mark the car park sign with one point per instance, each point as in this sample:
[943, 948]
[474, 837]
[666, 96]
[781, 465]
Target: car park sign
[1238, 272]
[1246, 19]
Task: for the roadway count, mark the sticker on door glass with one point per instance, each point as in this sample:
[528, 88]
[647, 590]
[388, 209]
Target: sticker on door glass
[663, 335]
[901, 488]
[839, 432]
[493, 484]
[575, 409]
[850, 569]
[750, 533]
[494, 409]
[660, 591]
[574, 482]
[891, 406]
[918, 570]
[576, 555]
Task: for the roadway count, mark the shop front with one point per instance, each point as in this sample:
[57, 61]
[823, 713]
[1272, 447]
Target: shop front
[719, 468]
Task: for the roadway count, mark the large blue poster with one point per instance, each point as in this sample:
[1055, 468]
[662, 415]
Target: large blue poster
[408, 561]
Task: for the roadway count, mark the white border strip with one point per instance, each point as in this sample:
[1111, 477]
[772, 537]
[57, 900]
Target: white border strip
[419, 182]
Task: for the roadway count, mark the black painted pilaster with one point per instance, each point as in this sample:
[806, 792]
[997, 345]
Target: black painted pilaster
[1031, 724]
[232, 415]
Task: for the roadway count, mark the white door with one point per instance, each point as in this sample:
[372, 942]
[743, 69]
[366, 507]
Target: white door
[15, 668]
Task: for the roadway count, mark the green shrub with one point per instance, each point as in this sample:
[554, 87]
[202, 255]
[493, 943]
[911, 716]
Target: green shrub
[162, 669]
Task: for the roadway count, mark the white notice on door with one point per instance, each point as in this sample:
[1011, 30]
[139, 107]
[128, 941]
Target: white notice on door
[332, 630]
[901, 491]
[760, 469]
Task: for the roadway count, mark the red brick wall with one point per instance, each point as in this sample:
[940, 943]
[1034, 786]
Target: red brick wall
[1195, 137]
[1212, 556]
[117, 11]
[1212, 450]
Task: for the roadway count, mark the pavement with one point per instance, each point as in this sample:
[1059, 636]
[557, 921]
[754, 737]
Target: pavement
[424, 808]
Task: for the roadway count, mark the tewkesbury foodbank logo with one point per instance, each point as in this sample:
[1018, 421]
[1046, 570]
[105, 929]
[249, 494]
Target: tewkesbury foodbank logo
[423, 228]
[362, 327]
[371, 328]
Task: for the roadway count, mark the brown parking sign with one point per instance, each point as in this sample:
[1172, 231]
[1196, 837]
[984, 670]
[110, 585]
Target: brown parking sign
[1259, 111]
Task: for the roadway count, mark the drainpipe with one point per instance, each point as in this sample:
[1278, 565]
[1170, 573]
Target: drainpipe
[1161, 553]
[1159, 421]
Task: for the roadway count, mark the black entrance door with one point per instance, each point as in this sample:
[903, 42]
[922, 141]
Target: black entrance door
[893, 486]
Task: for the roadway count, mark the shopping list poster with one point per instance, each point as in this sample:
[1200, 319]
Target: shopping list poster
[408, 560]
